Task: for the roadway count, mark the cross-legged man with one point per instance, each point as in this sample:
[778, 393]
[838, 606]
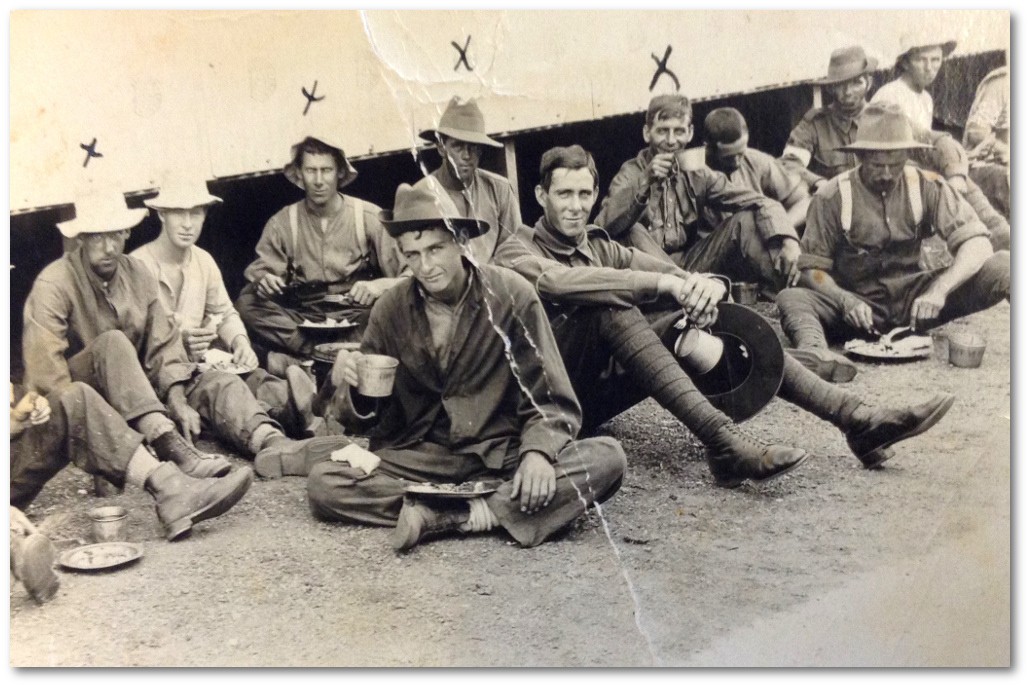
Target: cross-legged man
[480, 394]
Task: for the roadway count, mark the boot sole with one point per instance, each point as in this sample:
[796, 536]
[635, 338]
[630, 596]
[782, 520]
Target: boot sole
[734, 482]
[830, 370]
[183, 525]
[929, 421]
[37, 569]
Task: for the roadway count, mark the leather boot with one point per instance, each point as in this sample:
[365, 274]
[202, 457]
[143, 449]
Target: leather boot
[32, 562]
[734, 457]
[302, 396]
[104, 487]
[806, 334]
[296, 457]
[830, 366]
[870, 431]
[418, 520]
[183, 501]
[172, 447]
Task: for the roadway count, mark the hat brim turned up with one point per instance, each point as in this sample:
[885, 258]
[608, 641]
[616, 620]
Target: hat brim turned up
[349, 174]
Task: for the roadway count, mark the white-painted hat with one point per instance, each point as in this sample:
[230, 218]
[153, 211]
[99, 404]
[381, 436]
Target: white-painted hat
[182, 194]
[101, 213]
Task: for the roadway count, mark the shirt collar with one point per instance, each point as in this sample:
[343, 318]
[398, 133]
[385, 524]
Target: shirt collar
[464, 294]
[556, 243]
[95, 281]
[842, 122]
[438, 173]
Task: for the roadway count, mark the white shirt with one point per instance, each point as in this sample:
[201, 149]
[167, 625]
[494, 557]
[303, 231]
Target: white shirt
[917, 106]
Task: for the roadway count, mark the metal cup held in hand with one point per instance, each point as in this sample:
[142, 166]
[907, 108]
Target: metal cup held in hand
[376, 374]
[700, 350]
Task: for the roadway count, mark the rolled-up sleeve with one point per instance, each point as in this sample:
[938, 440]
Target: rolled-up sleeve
[217, 304]
[801, 143]
[952, 217]
[822, 230]
[797, 154]
[947, 156]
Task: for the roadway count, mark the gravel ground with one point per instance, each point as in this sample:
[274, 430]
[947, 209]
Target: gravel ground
[669, 572]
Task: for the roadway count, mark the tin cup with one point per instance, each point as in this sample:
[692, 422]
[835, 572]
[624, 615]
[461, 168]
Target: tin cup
[940, 346]
[700, 350]
[744, 292]
[966, 350]
[376, 374]
[108, 523]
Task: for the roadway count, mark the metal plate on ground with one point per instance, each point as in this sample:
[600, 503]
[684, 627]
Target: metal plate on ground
[106, 556]
[221, 361]
[329, 323]
[466, 490]
[911, 347]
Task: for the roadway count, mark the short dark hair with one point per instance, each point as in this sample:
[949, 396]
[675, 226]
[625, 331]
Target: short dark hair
[570, 157]
[313, 146]
[666, 106]
[724, 125]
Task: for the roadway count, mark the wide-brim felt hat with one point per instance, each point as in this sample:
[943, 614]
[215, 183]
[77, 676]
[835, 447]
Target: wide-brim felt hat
[182, 194]
[883, 126]
[428, 204]
[101, 214]
[914, 41]
[348, 175]
[750, 371]
[846, 64]
[463, 121]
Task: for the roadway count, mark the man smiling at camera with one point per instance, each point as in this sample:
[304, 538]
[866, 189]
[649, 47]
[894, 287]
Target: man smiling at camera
[480, 394]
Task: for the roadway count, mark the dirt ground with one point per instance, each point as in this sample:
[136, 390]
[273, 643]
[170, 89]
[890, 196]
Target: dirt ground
[831, 565]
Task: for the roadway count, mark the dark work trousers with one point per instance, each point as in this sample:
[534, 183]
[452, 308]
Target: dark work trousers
[110, 365]
[588, 471]
[83, 429]
[984, 289]
[274, 327]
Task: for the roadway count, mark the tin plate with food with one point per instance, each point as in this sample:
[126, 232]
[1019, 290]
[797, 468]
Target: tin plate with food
[106, 556]
[899, 344]
[465, 490]
[221, 361]
[328, 323]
